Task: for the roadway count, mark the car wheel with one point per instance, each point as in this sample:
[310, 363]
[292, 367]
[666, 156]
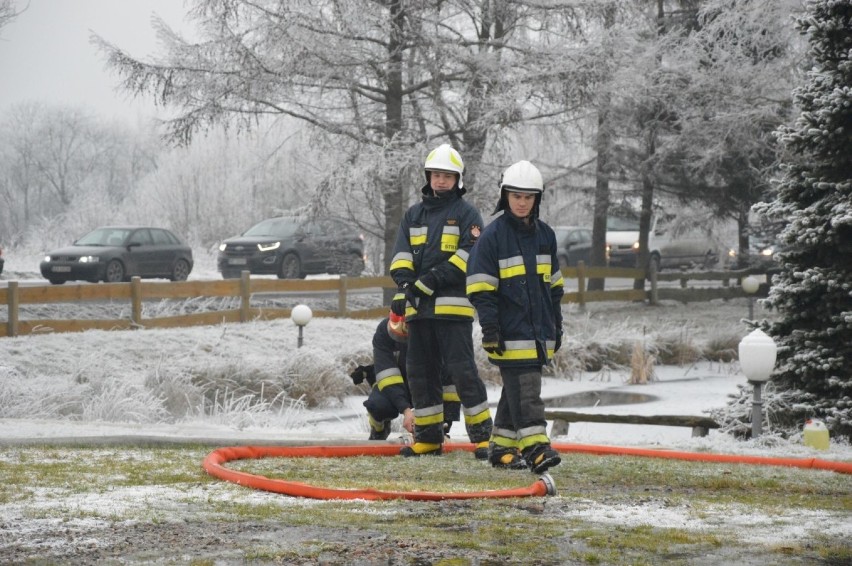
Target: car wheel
[355, 267]
[180, 271]
[56, 281]
[230, 275]
[291, 267]
[709, 260]
[114, 272]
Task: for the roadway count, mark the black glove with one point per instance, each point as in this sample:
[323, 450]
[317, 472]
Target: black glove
[558, 343]
[492, 342]
[399, 300]
[364, 372]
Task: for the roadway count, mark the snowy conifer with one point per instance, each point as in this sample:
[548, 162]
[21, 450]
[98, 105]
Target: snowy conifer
[813, 291]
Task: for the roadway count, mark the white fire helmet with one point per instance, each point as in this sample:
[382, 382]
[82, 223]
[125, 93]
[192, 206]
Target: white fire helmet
[445, 158]
[522, 177]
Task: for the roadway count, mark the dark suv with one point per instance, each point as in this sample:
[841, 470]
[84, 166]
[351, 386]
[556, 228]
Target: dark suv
[575, 244]
[292, 247]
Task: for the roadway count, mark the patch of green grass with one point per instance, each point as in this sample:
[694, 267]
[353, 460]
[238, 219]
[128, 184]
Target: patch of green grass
[168, 484]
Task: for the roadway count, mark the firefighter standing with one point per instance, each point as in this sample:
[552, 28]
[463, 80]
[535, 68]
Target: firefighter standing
[429, 265]
[515, 283]
[389, 396]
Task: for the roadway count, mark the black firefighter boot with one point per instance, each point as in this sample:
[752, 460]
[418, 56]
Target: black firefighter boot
[380, 434]
[541, 457]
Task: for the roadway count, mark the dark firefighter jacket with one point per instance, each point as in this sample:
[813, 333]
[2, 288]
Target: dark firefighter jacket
[514, 281]
[435, 237]
[389, 363]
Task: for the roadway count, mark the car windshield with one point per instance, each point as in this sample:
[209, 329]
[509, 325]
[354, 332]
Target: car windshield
[622, 224]
[277, 227]
[104, 237]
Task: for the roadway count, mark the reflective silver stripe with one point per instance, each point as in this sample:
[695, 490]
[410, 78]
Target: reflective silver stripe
[511, 262]
[483, 278]
[403, 256]
[520, 345]
[452, 230]
[429, 411]
[418, 231]
[463, 254]
[505, 433]
[453, 302]
[531, 430]
[387, 373]
[450, 389]
[476, 409]
[542, 259]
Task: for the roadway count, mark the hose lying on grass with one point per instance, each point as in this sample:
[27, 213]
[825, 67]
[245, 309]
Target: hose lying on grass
[214, 465]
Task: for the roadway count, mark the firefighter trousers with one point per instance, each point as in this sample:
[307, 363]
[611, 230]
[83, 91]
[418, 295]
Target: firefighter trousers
[431, 344]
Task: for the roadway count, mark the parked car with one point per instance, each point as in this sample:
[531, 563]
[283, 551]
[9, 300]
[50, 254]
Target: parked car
[669, 246]
[575, 244]
[2, 261]
[292, 247]
[117, 253]
[763, 252]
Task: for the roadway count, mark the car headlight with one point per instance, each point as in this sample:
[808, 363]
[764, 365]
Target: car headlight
[635, 246]
[269, 247]
[767, 252]
[47, 258]
[223, 247]
[89, 259]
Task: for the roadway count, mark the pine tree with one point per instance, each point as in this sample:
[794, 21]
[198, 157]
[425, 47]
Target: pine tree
[813, 291]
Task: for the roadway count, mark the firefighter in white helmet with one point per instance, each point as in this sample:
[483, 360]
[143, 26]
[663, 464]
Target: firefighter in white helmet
[514, 281]
[389, 396]
[429, 265]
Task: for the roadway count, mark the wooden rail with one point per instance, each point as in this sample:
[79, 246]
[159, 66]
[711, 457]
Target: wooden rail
[137, 291]
[700, 425]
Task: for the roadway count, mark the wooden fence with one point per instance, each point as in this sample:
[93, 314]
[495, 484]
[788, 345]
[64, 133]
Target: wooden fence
[137, 291]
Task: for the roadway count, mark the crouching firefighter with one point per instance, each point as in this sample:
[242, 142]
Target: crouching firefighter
[514, 281]
[390, 396]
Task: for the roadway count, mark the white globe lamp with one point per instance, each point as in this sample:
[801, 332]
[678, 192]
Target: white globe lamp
[301, 316]
[757, 353]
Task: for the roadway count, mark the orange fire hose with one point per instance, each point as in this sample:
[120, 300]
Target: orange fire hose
[213, 465]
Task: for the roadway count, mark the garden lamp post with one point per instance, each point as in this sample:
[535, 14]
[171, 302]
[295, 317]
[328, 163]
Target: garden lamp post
[750, 285]
[757, 358]
[301, 316]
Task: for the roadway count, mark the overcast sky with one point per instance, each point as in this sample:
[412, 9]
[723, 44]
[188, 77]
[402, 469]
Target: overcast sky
[45, 53]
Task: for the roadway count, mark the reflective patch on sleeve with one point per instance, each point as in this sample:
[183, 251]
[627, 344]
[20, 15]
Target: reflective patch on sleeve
[481, 282]
[402, 260]
[417, 235]
[512, 267]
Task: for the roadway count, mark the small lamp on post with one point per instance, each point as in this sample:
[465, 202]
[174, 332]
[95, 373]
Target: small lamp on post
[757, 359]
[301, 315]
[750, 285]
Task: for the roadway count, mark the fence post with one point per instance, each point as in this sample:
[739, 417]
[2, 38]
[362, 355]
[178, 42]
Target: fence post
[652, 271]
[13, 300]
[245, 295]
[135, 302]
[341, 295]
[581, 284]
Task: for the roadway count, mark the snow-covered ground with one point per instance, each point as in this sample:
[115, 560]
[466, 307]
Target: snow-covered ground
[54, 364]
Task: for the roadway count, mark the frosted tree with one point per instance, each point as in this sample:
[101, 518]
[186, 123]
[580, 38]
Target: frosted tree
[813, 293]
[377, 82]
